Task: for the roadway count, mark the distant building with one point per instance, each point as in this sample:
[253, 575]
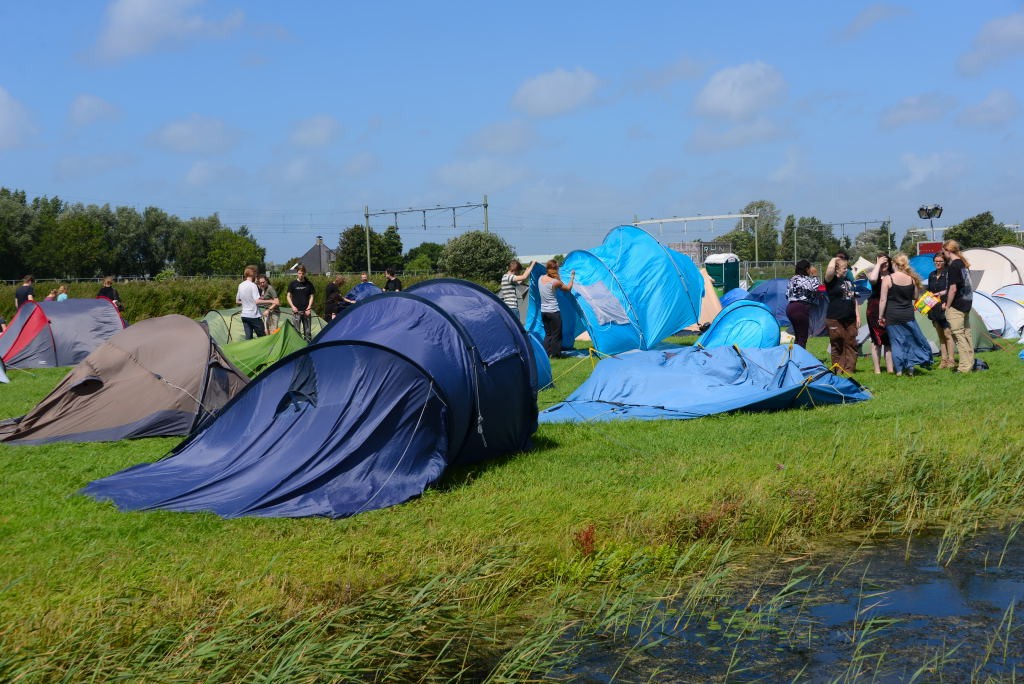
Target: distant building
[699, 251]
[319, 260]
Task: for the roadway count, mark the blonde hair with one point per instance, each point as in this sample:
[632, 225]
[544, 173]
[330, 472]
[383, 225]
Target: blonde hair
[108, 281]
[902, 264]
[250, 272]
[552, 267]
[954, 247]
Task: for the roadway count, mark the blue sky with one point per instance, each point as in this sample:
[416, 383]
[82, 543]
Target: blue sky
[571, 117]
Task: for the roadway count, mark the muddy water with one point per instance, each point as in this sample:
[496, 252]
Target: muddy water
[884, 611]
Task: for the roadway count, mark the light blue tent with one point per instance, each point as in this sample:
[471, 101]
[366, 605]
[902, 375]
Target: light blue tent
[631, 292]
[744, 323]
[694, 382]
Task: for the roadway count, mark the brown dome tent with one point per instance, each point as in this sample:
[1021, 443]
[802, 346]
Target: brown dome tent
[160, 377]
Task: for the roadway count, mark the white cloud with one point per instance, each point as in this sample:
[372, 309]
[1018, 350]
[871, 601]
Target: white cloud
[75, 167]
[707, 139]
[480, 175]
[138, 27]
[505, 137]
[917, 109]
[933, 167]
[683, 69]
[1000, 107]
[739, 93]
[89, 109]
[790, 169]
[196, 134]
[360, 164]
[205, 173]
[15, 121]
[869, 16]
[316, 131]
[555, 92]
[998, 40]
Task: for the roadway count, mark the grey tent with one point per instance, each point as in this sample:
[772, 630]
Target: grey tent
[160, 377]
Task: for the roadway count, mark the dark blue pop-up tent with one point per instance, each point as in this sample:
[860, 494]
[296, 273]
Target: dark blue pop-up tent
[393, 391]
[772, 293]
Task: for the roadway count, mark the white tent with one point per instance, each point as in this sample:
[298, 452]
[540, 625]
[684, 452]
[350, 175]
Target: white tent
[1014, 292]
[990, 269]
[1013, 312]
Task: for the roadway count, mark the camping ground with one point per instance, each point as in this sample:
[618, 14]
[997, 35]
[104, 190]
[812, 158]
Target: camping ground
[503, 569]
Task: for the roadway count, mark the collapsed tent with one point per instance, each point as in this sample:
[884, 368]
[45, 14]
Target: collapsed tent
[392, 392]
[254, 356]
[694, 382]
[772, 293]
[743, 324]
[160, 377]
[50, 334]
[225, 325]
[631, 292]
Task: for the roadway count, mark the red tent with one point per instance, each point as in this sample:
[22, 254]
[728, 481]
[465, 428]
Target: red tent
[51, 334]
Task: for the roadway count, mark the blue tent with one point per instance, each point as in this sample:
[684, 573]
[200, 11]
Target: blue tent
[923, 265]
[743, 324]
[392, 392]
[772, 293]
[733, 295]
[361, 291]
[695, 382]
[631, 291]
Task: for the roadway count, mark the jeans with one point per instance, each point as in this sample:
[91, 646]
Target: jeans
[303, 322]
[253, 326]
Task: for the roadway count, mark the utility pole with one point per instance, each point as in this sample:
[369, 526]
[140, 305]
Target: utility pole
[366, 229]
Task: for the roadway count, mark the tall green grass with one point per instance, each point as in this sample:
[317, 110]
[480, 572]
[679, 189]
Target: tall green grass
[500, 571]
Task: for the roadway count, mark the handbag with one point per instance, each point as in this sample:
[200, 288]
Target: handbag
[926, 302]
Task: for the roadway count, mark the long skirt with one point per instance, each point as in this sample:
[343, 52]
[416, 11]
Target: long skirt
[909, 346]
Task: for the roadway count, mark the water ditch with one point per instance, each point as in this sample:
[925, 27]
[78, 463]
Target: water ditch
[931, 608]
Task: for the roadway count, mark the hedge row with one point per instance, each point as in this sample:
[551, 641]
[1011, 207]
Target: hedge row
[193, 298]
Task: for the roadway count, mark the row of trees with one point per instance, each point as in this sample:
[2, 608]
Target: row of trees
[811, 239]
[54, 239]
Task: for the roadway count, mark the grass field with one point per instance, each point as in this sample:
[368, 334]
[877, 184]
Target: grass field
[497, 573]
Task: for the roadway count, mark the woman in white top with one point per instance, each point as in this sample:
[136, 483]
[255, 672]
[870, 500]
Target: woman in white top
[550, 315]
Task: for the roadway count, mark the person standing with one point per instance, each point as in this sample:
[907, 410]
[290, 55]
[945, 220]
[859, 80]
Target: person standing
[509, 280]
[300, 299]
[26, 292]
[843, 316]
[938, 284]
[899, 290]
[393, 284]
[880, 347]
[332, 297]
[957, 305]
[271, 304]
[550, 314]
[801, 292]
[247, 296]
[110, 292]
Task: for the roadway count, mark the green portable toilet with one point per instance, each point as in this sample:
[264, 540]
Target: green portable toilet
[724, 270]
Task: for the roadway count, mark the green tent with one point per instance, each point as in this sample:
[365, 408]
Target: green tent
[254, 356]
[225, 325]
